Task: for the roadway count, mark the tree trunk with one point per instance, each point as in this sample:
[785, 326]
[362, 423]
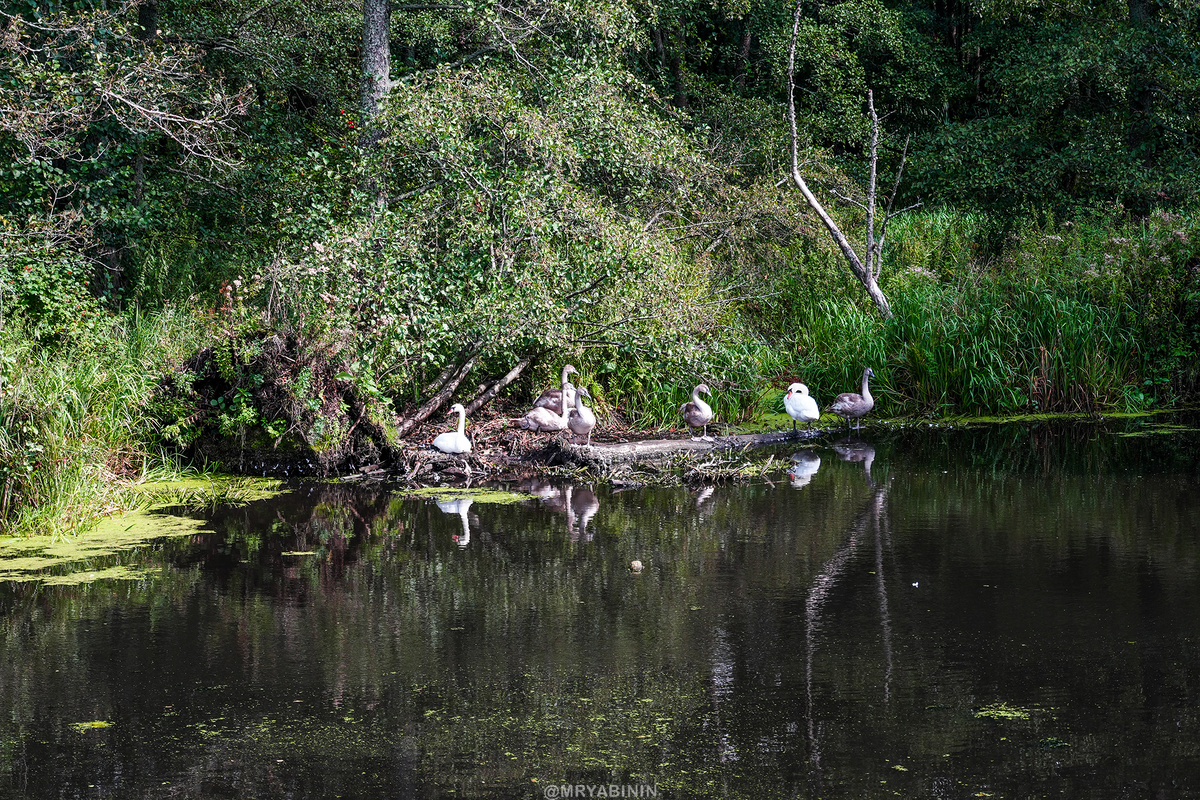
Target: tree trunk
[744, 56]
[376, 61]
[148, 22]
[376, 82]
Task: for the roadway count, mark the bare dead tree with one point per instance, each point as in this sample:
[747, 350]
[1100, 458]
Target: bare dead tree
[866, 273]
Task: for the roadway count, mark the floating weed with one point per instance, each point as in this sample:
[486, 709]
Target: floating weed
[84, 727]
[479, 495]
[1002, 711]
[202, 493]
[117, 573]
[1051, 742]
[29, 559]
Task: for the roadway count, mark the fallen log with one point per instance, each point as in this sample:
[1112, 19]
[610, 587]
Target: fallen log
[602, 457]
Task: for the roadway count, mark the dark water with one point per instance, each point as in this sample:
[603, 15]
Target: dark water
[1011, 611]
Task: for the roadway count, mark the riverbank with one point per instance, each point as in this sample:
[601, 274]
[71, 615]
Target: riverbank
[1094, 317]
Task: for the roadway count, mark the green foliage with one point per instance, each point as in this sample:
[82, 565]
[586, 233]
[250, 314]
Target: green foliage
[73, 420]
[1070, 106]
[1075, 316]
[589, 182]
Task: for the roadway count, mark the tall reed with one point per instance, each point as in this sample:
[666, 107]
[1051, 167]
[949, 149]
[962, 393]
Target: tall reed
[74, 421]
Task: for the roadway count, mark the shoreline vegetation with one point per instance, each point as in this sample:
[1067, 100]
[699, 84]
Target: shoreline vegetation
[144, 395]
[141, 395]
[292, 256]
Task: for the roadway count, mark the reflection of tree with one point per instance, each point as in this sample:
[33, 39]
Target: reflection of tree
[872, 519]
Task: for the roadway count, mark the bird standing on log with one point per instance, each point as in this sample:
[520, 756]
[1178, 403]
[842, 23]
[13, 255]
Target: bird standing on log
[582, 419]
[801, 406]
[697, 413]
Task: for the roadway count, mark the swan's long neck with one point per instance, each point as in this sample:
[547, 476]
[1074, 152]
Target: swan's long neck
[696, 399]
[866, 390]
[565, 380]
[462, 421]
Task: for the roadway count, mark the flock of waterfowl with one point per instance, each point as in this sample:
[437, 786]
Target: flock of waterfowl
[563, 409]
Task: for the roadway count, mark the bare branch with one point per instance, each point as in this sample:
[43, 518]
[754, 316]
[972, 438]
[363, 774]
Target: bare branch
[484, 397]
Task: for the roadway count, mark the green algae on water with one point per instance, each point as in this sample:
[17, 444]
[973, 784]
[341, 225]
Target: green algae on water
[30, 559]
[478, 495]
[199, 492]
[1002, 711]
[117, 573]
[84, 727]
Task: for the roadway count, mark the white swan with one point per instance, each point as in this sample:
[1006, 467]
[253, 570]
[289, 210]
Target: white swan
[455, 442]
[582, 419]
[553, 398]
[800, 405]
[698, 413]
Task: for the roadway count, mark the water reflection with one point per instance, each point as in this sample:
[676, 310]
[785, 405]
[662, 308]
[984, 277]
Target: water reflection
[859, 452]
[805, 464]
[583, 505]
[577, 503]
[336, 643]
[459, 506]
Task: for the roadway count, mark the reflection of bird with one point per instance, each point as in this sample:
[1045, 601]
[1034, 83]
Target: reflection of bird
[459, 506]
[703, 498]
[552, 496]
[455, 442]
[582, 419]
[801, 406]
[553, 398]
[857, 452]
[806, 463]
[853, 406]
[698, 413]
[584, 505]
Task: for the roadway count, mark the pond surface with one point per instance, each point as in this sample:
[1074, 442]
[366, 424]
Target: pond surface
[1005, 611]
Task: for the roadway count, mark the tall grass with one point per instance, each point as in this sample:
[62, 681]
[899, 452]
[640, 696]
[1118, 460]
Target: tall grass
[74, 421]
[1076, 316]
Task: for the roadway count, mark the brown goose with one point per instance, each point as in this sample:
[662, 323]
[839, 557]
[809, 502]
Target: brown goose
[553, 398]
[853, 406]
[698, 413]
